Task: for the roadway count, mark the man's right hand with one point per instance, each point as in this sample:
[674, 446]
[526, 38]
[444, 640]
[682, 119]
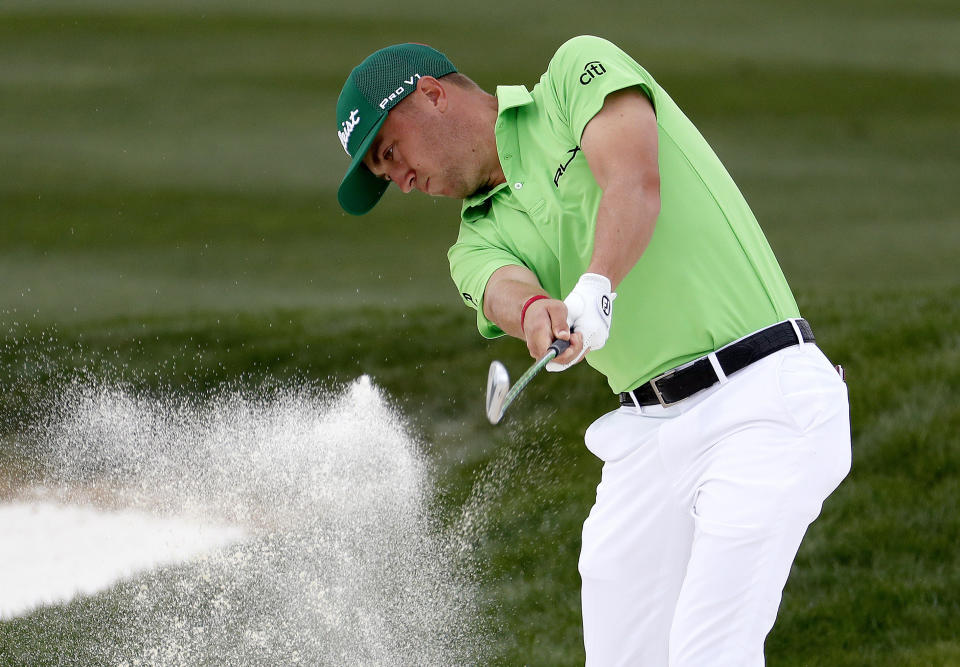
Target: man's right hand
[546, 321]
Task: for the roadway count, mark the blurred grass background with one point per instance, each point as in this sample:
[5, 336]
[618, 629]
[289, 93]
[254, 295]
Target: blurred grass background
[168, 216]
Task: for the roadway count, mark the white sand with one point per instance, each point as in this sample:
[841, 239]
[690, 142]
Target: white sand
[346, 564]
[50, 553]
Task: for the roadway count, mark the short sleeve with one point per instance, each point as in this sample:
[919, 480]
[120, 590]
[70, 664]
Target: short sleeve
[584, 71]
[473, 259]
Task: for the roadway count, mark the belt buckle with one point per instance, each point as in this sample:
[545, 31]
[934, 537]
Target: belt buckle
[656, 390]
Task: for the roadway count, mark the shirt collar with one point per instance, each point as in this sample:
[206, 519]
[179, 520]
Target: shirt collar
[508, 97]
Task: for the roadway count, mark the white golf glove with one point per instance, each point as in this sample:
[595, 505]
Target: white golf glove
[589, 310]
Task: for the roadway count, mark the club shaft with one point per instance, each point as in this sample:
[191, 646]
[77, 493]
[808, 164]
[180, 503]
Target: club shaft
[556, 348]
[524, 379]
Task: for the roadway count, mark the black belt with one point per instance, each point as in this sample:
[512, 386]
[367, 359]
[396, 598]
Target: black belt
[685, 381]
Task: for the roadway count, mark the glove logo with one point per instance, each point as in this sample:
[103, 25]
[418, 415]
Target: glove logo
[605, 305]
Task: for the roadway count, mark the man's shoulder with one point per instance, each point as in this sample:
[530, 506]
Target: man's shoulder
[587, 65]
[571, 54]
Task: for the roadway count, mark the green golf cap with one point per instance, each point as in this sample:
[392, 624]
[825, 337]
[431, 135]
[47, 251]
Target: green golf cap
[373, 88]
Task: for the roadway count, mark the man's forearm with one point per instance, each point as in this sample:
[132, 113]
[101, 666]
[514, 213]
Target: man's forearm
[506, 292]
[620, 144]
[625, 223]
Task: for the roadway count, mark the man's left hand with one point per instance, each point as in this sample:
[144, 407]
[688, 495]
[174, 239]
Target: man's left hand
[589, 312]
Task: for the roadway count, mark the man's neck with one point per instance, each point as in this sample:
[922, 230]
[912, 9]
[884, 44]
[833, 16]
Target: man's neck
[491, 113]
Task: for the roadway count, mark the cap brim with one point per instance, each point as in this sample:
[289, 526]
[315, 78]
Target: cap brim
[360, 190]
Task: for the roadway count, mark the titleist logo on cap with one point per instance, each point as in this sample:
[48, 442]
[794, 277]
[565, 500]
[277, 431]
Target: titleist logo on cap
[347, 130]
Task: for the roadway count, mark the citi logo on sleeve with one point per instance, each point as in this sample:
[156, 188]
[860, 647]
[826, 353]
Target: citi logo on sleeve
[591, 71]
[347, 130]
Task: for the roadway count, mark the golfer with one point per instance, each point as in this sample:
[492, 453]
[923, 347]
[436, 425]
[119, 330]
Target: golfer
[595, 212]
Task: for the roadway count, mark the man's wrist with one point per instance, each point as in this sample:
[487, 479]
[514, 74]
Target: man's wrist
[597, 280]
[529, 302]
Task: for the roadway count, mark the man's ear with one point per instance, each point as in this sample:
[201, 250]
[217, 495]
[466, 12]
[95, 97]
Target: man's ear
[434, 91]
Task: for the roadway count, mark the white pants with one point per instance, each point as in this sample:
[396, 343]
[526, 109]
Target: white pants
[701, 509]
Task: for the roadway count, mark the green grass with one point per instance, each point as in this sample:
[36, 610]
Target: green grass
[168, 219]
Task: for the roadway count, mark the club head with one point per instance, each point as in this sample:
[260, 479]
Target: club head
[498, 384]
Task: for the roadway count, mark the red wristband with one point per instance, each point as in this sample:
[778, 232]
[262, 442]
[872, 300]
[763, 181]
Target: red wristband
[523, 311]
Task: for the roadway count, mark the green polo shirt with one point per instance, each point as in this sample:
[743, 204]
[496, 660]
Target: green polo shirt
[708, 275]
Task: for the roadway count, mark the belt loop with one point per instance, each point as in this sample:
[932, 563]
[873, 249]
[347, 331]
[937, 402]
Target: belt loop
[636, 403]
[796, 330]
[716, 367]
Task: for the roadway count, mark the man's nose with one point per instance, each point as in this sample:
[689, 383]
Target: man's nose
[400, 174]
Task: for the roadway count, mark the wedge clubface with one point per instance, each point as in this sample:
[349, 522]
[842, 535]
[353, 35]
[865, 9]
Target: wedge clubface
[499, 392]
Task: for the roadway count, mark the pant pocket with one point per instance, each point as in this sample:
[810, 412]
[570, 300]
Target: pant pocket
[815, 400]
[619, 433]
[811, 390]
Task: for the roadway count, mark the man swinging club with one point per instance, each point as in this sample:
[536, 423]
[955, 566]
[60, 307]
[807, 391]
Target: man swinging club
[596, 213]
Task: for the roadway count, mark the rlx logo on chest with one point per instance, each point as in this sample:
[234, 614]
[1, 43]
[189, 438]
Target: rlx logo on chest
[563, 167]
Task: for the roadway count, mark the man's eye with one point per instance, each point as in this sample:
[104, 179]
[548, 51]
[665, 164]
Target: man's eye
[388, 155]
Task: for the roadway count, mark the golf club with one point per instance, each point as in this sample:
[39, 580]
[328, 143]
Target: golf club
[499, 392]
